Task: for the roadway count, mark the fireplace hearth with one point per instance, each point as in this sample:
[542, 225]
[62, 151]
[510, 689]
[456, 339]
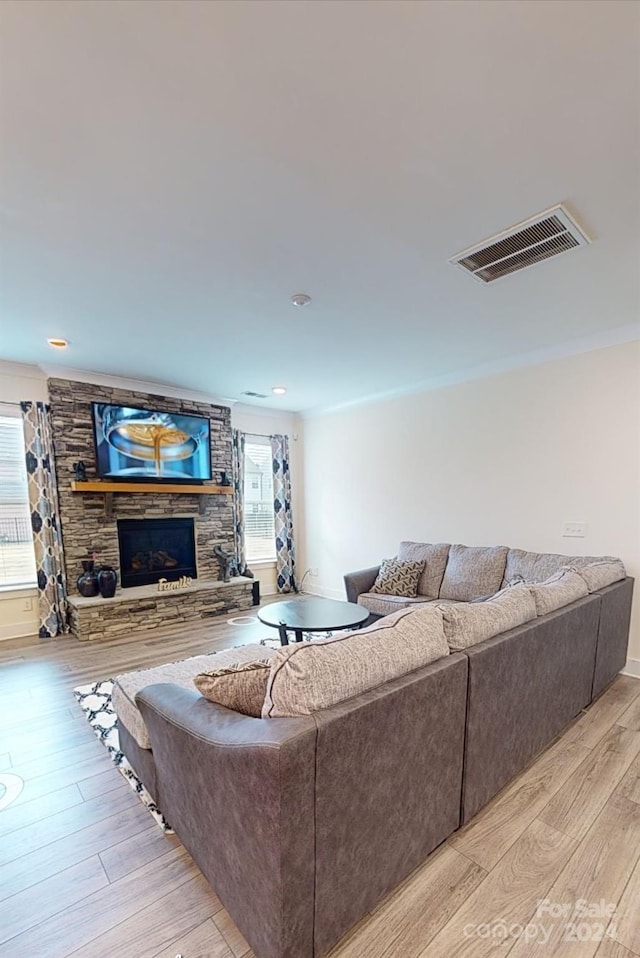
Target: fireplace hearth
[154, 549]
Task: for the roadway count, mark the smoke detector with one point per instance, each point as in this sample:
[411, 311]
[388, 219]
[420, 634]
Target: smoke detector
[538, 238]
[254, 395]
[300, 299]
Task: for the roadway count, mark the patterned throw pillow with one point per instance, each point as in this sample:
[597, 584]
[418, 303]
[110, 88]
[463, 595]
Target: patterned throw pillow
[241, 687]
[398, 578]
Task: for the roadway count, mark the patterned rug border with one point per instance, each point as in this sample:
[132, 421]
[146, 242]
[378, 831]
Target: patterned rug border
[95, 702]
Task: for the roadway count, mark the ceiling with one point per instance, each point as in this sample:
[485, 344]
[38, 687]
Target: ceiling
[172, 172]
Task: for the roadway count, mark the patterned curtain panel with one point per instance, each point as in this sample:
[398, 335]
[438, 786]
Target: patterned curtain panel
[237, 444]
[285, 551]
[45, 519]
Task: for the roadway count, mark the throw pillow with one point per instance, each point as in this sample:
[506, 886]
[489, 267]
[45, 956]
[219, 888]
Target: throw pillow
[241, 687]
[398, 578]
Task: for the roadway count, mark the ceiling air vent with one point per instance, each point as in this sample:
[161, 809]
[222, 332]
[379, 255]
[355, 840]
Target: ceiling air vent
[536, 239]
[253, 395]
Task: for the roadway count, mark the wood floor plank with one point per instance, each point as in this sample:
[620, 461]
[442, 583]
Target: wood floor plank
[630, 718]
[205, 941]
[488, 836]
[5, 761]
[73, 929]
[232, 935]
[70, 774]
[49, 897]
[577, 804]
[611, 949]
[134, 852]
[599, 870]
[605, 711]
[626, 924]
[416, 911]
[63, 824]
[53, 858]
[89, 747]
[20, 816]
[156, 926]
[105, 781]
[509, 892]
[629, 786]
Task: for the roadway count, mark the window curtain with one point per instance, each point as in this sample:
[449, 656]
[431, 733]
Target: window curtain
[237, 462]
[285, 551]
[45, 519]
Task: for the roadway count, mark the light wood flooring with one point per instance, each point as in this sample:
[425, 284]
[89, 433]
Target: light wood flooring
[84, 870]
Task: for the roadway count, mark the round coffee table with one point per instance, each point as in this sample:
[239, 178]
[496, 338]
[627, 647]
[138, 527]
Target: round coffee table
[311, 615]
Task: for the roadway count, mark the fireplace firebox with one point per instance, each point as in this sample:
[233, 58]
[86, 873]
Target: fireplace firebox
[154, 549]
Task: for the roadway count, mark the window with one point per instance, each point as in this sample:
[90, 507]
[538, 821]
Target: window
[17, 560]
[259, 532]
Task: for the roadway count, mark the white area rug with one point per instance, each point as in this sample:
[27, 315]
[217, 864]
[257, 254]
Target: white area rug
[95, 702]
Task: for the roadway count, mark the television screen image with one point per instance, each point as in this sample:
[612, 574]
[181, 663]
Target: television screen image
[150, 444]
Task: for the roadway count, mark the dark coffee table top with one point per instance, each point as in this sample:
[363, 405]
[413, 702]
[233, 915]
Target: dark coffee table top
[313, 615]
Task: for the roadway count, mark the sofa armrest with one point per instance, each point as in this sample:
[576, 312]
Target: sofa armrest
[240, 794]
[356, 583]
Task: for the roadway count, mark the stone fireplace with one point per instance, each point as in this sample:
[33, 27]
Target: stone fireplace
[153, 516]
[154, 549]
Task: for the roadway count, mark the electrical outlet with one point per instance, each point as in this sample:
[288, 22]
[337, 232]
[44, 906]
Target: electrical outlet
[574, 530]
[27, 605]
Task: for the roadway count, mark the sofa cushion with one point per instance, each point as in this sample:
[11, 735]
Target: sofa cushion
[241, 686]
[538, 566]
[387, 604]
[597, 575]
[127, 686]
[467, 623]
[315, 675]
[560, 589]
[398, 578]
[472, 571]
[434, 557]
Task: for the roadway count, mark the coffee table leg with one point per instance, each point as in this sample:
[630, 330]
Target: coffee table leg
[282, 631]
[299, 635]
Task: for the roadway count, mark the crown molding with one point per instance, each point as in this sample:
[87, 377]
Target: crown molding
[133, 385]
[24, 370]
[536, 357]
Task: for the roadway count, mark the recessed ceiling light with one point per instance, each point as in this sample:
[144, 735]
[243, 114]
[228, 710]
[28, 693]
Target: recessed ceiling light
[279, 390]
[300, 299]
[58, 343]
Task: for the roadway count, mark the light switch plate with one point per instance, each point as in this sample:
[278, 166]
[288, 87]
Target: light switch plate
[574, 530]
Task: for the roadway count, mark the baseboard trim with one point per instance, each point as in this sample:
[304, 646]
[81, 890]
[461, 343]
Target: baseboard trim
[632, 668]
[323, 593]
[17, 630]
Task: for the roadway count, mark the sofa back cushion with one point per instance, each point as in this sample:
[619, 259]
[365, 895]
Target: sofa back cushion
[538, 566]
[560, 589]
[434, 557]
[472, 571]
[467, 623]
[241, 686]
[603, 572]
[315, 675]
[398, 578]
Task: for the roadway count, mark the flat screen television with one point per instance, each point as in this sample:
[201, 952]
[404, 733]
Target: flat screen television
[151, 444]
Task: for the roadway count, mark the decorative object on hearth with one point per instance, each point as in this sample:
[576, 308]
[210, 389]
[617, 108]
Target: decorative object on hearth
[228, 563]
[283, 516]
[164, 585]
[45, 519]
[107, 581]
[95, 702]
[80, 471]
[87, 583]
[224, 479]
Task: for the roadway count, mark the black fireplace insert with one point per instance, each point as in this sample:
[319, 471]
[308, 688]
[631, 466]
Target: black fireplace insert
[154, 549]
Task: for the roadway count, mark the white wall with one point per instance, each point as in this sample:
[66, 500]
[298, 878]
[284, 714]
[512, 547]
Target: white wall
[501, 460]
[18, 608]
[254, 419]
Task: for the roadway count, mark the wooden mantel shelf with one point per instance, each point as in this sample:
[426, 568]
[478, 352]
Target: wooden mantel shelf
[105, 485]
[107, 488]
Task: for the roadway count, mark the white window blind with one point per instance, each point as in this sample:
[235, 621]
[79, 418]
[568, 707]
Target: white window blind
[259, 533]
[17, 560]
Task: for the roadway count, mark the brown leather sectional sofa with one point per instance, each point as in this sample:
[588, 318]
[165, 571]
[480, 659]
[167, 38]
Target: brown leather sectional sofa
[303, 824]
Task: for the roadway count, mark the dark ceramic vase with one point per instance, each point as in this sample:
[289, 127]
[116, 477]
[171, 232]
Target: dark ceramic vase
[87, 583]
[107, 581]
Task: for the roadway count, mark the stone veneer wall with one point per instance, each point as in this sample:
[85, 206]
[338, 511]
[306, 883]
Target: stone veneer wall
[84, 526]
